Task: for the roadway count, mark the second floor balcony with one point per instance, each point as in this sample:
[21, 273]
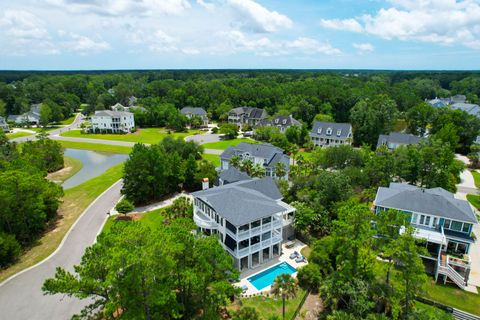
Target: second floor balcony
[204, 221]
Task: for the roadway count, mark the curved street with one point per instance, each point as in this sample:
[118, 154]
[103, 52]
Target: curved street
[21, 296]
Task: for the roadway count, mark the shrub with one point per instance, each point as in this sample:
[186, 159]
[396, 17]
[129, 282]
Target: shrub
[9, 249]
[124, 206]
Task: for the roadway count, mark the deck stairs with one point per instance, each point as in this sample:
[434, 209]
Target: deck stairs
[462, 315]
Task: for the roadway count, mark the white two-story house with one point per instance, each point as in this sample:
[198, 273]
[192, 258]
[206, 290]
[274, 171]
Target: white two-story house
[442, 221]
[265, 155]
[249, 217]
[325, 134]
[113, 121]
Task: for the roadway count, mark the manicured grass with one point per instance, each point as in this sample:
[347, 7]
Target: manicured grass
[474, 200]
[151, 219]
[213, 158]
[95, 147]
[75, 201]
[18, 134]
[68, 121]
[272, 306]
[454, 297]
[433, 312]
[45, 129]
[476, 177]
[72, 166]
[307, 155]
[224, 144]
[306, 252]
[145, 135]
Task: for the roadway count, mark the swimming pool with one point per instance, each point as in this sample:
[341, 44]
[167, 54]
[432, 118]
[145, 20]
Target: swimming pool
[266, 277]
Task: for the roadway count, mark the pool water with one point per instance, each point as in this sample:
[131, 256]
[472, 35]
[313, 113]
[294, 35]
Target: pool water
[266, 277]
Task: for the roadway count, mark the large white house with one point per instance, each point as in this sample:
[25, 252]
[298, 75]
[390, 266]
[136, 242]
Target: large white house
[249, 217]
[113, 121]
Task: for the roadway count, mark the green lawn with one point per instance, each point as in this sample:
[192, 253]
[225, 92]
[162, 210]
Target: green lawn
[454, 297]
[72, 166]
[476, 177]
[18, 134]
[474, 200]
[213, 158]
[152, 219]
[50, 128]
[95, 147]
[75, 201]
[269, 307]
[224, 144]
[146, 135]
[307, 155]
[68, 121]
[433, 312]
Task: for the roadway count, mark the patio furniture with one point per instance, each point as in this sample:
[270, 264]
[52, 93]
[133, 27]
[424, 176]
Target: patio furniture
[294, 255]
[290, 244]
[244, 288]
[300, 258]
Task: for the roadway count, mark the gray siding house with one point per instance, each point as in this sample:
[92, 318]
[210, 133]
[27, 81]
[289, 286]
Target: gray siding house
[247, 115]
[282, 122]
[190, 112]
[4, 125]
[31, 117]
[442, 221]
[265, 155]
[394, 140]
[249, 217]
[325, 134]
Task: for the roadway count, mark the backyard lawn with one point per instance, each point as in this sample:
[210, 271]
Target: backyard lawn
[72, 166]
[476, 177]
[95, 147]
[151, 219]
[224, 144]
[145, 135]
[75, 201]
[18, 134]
[213, 158]
[453, 296]
[269, 307]
[474, 200]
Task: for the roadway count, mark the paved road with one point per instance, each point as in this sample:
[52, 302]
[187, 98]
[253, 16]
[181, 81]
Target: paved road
[21, 297]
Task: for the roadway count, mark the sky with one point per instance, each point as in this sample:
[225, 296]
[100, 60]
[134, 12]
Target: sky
[239, 34]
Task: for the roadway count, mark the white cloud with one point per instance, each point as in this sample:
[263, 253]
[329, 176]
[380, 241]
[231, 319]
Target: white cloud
[84, 45]
[363, 47]
[351, 25]
[21, 32]
[445, 22]
[252, 16]
[207, 5]
[123, 7]
[157, 41]
[312, 46]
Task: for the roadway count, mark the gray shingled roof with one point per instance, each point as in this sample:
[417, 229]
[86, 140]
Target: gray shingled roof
[271, 153]
[284, 121]
[232, 174]
[245, 201]
[435, 201]
[473, 109]
[252, 113]
[194, 110]
[345, 129]
[397, 137]
[111, 113]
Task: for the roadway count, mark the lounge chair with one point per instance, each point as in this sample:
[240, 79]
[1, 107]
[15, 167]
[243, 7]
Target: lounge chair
[244, 288]
[300, 258]
[294, 255]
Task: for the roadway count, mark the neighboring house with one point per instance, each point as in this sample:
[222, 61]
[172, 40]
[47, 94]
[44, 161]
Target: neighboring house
[131, 101]
[444, 222]
[470, 108]
[282, 122]
[443, 102]
[190, 112]
[326, 134]
[265, 155]
[4, 125]
[113, 121]
[249, 217]
[231, 175]
[31, 117]
[246, 115]
[393, 140]
[121, 107]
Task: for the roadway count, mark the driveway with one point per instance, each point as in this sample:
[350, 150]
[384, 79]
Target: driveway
[467, 183]
[21, 297]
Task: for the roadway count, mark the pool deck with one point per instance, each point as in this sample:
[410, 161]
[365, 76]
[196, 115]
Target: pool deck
[285, 257]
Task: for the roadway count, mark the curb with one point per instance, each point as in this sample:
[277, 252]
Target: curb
[63, 240]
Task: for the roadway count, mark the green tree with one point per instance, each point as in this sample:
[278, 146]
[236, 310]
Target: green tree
[235, 161]
[280, 170]
[258, 171]
[45, 115]
[284, 286]
[124, 206]
[419, 118]
[309, 277]
[9, 249]
[246, 313]
[229, 130]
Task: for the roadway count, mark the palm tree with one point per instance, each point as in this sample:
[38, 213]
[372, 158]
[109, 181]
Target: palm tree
[247, 166]
[258, 171]
[235, 161]
[286, 287]
[280, 170]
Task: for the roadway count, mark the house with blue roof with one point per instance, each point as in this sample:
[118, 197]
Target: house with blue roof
[443, 222]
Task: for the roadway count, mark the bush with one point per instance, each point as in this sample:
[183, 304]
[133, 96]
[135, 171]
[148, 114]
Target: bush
[124, 206]
[9, 249]
[215, 130]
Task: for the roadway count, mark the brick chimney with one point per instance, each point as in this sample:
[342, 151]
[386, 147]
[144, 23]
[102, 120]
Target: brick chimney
[205, 184]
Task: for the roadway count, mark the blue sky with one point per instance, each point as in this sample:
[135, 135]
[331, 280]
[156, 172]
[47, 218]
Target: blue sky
[172, 34]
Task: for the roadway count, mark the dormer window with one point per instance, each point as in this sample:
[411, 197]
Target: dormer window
[276, 120]
[339, 132]
[329, 131]
[319, 130]
[285, 121]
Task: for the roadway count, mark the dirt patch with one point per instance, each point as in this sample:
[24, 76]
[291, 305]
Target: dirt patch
[62, 172]
[129, 217]
[311, 309]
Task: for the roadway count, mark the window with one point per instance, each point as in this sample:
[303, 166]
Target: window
[276, 120]
[456, 225]
[285, 121]
[466, 227]
[339, 132]
[414, 218]
[319, 130]
[422, 219]
[427, 220]
[446, 225]
[266, 220]
[435, 222]
[329, 131]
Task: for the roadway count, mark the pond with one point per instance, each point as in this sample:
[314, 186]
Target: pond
[94, 164]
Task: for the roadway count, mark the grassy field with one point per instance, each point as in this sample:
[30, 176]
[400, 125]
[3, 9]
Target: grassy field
[45, 129]
[75, 201]
[213, 158]
[269, 307]
[146, 135]
[68, 121]
[224, 144]
[72, 166]
[474, 200]
[454, 297]
[476, 177]
[18, 134]
[433, 312]
[95, 147]
[152, 219]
